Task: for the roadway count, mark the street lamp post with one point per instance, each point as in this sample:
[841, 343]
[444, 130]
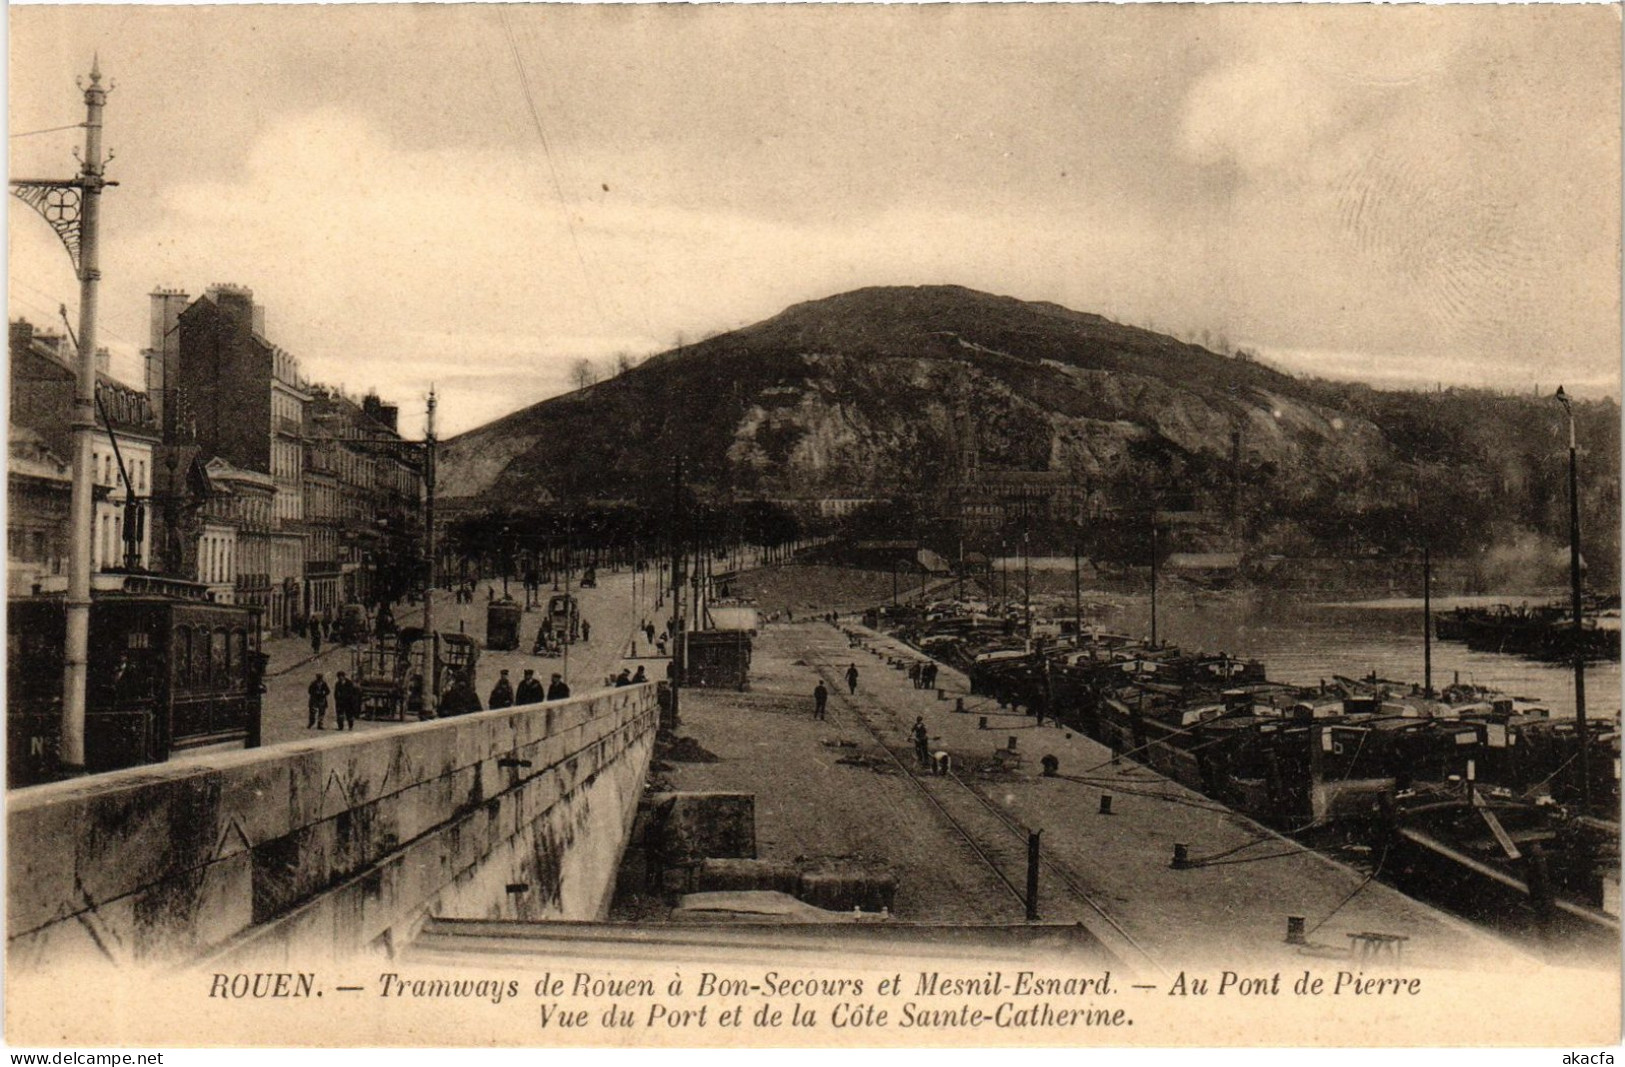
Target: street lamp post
[72, 207]
[1574, 595]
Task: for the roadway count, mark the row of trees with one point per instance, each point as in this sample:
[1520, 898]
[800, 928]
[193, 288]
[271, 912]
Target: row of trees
[514, 541]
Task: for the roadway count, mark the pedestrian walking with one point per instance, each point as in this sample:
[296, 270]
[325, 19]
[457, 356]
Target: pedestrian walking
[914, 673]
[820, 700]
[852, 679]
[557, 690]
[922, 741]
[530, 689]
[586, 631]
[501, 693]
[928, 676]
[315, 637]
[346, 702]
[318, 704]
[414, 698]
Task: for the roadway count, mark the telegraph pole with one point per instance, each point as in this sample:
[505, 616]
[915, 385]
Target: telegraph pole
[1574, 593]
[72, 207]
[432, 698]
[676, 526]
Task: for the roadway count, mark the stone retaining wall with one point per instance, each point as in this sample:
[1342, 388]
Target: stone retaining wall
[313, 851]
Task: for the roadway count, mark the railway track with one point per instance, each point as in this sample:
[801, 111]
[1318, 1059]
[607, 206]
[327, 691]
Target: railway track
[986, 832]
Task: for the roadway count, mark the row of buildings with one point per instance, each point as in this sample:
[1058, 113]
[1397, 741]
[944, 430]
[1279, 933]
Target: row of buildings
[244, 476]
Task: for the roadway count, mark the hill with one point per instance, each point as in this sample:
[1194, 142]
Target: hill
[882, 392]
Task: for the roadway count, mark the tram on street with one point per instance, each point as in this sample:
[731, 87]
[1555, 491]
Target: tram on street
[169, 672]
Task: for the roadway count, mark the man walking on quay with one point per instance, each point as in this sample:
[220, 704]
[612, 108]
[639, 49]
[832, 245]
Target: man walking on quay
[922, 741]
[852, 679]
[820, 700]
[315, 637]
[557, 690]
[318, 704]
[346, 702]
[530, 689]
[501, 693]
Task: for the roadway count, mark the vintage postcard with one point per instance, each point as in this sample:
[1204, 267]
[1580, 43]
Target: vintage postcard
[928, 526]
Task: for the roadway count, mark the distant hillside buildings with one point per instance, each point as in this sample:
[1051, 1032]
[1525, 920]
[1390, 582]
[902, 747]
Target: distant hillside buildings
[267, 488]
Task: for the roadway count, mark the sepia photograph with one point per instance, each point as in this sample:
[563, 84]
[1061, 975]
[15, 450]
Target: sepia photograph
[909, 526]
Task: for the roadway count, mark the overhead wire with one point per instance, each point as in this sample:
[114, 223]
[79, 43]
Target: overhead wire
[53, 129]
[547, 152]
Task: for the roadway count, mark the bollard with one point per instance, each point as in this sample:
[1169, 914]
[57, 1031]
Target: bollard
[1105, 803]
[959, 704]
[1051, 765]
[1182, 858]
[981, 723]
[1294, 930]
[1012, 745]
[942, 694]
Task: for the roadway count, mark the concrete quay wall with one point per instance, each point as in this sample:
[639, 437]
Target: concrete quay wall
[313, 851]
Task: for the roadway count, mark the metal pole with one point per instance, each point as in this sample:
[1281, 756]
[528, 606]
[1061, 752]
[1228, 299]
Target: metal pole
[676, 579]
[1032, 874]
[1077, 594]
[1427, 622]
[1574, 591]
[1153, 579]
[431, 699]
[76, 654]
[1027, 585]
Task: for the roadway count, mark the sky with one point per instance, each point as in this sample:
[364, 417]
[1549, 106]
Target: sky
[477, 196]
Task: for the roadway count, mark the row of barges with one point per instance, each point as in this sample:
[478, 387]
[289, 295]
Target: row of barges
[1480, 799]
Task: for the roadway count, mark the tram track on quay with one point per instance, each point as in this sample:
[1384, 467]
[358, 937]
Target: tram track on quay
[995, 838]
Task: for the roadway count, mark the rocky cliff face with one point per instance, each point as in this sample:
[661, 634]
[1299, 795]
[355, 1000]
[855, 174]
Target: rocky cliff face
[872, 392]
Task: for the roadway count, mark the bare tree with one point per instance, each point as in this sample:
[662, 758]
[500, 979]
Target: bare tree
[624, 361]
[583, 373]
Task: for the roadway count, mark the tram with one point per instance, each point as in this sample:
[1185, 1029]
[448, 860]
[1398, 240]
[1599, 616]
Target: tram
[170, 671]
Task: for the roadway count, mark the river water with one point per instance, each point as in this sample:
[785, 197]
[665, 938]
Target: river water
[1301, 643]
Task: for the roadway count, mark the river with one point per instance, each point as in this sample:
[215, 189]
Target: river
[1301, 643]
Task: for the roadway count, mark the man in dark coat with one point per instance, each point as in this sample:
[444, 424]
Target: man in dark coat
[820, 700]
[530, 689]
[346, 701]
[557, 690]
[501, 693]
[318, 704]
[852, 678]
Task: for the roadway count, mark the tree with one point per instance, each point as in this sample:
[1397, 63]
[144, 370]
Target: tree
[583, 373]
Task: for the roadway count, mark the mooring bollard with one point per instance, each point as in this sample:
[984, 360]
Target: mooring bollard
[959, 705]
[1182, 858]
[981, 723]
[1105, 803]
[1294, 930]
[1012, 745]
[942, 694]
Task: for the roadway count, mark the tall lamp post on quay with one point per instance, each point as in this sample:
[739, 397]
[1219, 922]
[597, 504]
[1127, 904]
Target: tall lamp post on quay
[72, 207]
[1574, 593]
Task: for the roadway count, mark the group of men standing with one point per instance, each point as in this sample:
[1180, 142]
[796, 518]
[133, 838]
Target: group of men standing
[346, 703]
[504, 695]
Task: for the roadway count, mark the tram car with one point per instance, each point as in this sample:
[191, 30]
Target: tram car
[169, 671]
